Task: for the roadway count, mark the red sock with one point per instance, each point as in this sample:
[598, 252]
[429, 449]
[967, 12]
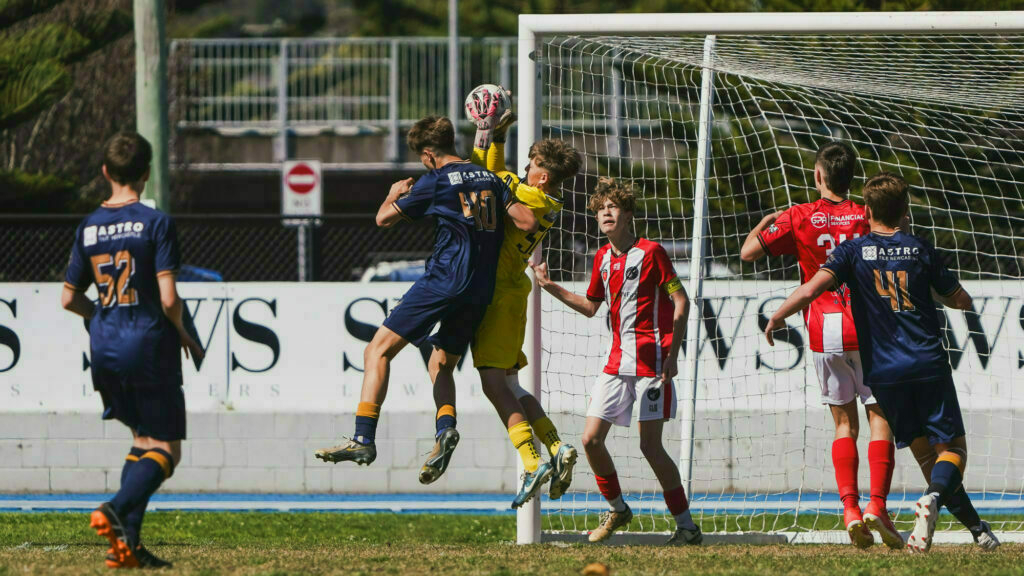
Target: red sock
[845, 461]
[609, 486]
[676, 500]
[882, 461]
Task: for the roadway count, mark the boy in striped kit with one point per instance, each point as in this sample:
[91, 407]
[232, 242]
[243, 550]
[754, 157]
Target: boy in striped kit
[648, 309]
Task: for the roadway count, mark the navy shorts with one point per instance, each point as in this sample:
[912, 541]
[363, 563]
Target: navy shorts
[928, 408]
[421, 309]
[153, 410]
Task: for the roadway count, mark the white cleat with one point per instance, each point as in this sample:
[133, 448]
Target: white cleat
[984, 537]
[926, 514]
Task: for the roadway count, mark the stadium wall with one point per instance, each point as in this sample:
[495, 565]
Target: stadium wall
[282, 377]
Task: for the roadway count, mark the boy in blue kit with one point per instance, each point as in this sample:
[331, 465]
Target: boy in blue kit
[131, 253]
[893, 277]
[469, 205]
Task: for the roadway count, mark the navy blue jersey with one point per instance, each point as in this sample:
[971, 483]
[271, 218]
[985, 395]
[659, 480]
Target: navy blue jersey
[890, 280]
[122, 250]
[469, 205]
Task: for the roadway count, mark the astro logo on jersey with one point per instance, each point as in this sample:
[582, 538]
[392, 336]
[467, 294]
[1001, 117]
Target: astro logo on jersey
[819, 220]
[455, 178]
[89, 236]
[869, 252]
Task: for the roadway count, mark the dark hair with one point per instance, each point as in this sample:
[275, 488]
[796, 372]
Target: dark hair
[837, 161]
[434, 132]
[621, 193]
[887, 196]
[127, 157]
[560, 159]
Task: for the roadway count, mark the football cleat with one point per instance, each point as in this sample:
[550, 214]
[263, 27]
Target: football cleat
[561, 478]
[350, 451]
[437, 462]
[926, 514]
[859, 533]
[877, 519]
[684, 537]
[106, 523]
[984, 537]
[532, 483]
[610, 522]
[145, 559]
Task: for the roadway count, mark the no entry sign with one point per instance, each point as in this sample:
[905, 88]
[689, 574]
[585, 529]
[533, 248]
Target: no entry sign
[301, 190]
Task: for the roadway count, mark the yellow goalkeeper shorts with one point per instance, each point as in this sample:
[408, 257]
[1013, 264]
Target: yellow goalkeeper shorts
[499, 338]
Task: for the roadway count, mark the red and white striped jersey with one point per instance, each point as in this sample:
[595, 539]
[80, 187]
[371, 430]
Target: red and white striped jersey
[811, 232]
[636, 285]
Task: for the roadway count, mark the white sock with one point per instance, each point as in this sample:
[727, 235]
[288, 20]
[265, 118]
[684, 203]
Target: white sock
[617, 504]
[684, 520]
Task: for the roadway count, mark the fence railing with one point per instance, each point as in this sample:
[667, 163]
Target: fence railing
[348, 86]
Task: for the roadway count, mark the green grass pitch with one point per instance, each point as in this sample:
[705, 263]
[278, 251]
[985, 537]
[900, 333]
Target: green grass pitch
[256, 543]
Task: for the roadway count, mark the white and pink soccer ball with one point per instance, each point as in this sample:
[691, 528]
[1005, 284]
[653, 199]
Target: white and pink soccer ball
[487, 101]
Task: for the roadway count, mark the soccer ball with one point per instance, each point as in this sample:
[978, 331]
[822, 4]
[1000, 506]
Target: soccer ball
[487, 101]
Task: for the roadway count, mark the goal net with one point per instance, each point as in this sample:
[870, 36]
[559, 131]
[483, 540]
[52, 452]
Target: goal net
[944, 111]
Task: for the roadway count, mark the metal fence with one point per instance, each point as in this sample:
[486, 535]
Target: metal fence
[238, 248]
[349, 86]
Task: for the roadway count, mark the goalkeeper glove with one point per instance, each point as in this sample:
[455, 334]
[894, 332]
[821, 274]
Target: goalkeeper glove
[501, 128]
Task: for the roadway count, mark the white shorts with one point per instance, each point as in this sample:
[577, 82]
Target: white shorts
[841, 377]
[612, 399]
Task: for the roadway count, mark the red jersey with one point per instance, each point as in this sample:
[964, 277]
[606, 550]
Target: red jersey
[812, 231]
[636, 285]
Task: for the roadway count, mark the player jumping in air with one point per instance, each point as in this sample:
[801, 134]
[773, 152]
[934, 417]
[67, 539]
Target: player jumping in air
[812, 231]
[892, 277]
[469, 205]
[498, 343]
[644, 295]
[130, 251]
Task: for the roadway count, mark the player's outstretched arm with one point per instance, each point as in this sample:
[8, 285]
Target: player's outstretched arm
[798, 300]
[173, 308]
[581, 304]
[680, 314]
[77, 302]
[752, 248]
[388, 215]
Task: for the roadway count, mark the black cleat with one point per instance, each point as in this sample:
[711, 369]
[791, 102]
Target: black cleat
[143, 558]
[350, 451]
[437, 463]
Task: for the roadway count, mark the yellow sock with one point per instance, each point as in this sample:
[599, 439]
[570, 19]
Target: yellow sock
[522, 438]
[548, 435]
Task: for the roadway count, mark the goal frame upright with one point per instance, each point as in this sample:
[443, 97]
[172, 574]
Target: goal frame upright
[532, 31]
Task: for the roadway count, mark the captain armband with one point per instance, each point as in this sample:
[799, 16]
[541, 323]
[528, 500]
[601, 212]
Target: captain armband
[672, 286]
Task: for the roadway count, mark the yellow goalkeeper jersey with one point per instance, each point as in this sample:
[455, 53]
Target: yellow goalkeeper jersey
[517, 245]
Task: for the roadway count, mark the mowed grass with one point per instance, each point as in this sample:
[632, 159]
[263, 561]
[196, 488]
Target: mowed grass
[330, 543]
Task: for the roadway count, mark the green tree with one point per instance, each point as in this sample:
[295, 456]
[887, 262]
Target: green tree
[39, 46]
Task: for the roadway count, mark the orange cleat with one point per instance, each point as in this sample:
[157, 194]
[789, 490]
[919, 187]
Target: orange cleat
[859, 533]
[877, 519]
[106, 523]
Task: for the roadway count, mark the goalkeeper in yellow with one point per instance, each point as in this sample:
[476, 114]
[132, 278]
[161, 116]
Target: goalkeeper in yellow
[498, 341]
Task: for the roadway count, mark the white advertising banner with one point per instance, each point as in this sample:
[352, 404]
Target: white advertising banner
[288, 347]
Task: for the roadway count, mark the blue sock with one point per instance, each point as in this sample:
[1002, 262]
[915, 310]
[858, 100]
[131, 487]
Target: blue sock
[133, 520]
[367, 415]
[142, 480]
[445, 418]
[946, 479]
[960, 506]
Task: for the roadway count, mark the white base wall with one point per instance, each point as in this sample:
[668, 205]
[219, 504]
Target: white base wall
[236, 452]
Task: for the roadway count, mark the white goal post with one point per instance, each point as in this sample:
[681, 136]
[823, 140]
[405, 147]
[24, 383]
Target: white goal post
[683, 103]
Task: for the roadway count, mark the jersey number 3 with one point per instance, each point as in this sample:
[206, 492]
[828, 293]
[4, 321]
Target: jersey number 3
[893, 285]
[104, 268]
[480, 207]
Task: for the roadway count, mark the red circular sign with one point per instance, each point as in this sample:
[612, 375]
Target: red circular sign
[301, 179]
